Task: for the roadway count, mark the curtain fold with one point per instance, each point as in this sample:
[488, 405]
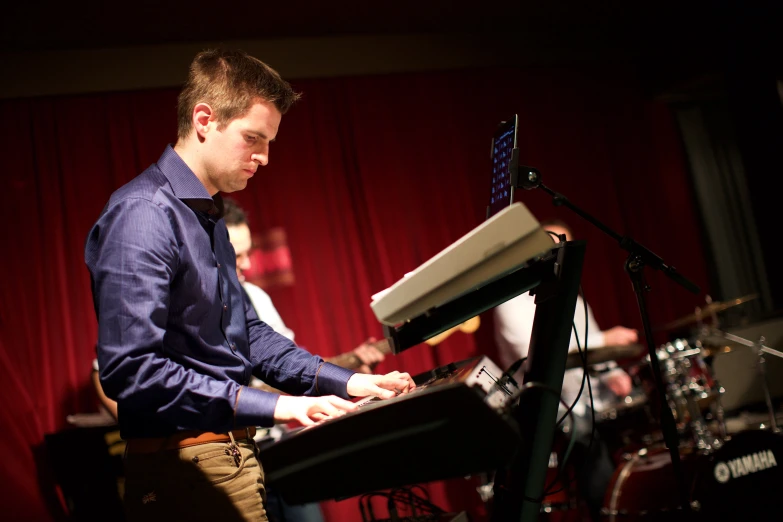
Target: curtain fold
[725, 204]
[369, 177]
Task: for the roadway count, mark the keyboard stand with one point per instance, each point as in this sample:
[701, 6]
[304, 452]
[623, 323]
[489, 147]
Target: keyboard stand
[555, 279]
[520, 486]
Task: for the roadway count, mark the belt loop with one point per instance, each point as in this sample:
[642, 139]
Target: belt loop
[231, 436]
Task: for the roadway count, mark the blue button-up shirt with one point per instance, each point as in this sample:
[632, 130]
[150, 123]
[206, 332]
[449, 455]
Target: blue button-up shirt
[178, 340]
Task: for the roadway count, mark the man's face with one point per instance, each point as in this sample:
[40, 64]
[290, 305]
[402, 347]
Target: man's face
[232, 153]
[239, 236]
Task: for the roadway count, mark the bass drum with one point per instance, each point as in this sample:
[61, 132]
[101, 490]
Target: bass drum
[743, 479]
[644, 487]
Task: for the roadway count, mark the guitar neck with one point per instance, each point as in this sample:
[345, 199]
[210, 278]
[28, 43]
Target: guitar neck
[351, 361]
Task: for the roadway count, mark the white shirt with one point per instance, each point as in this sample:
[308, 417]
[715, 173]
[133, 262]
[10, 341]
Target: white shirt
[513, 327]
[266, 310]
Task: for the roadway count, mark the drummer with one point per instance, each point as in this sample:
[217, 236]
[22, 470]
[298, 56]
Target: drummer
[513, 326]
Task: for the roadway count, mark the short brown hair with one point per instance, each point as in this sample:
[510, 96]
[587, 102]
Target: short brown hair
[233, 214]
[230, 81]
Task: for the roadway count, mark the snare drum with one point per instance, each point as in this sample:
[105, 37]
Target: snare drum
[686, 376]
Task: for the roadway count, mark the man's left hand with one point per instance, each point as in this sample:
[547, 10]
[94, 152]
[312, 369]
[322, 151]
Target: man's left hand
[369, 355]
[620, 335]
[383, 386]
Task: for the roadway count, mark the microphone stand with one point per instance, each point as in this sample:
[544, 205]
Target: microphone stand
[638, 258]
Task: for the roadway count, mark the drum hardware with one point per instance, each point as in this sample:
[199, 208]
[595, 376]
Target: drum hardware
[726, 342]
[728, 475]
[690, 390]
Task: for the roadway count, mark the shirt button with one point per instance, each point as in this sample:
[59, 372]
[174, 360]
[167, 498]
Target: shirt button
[218, 265]
[233, 347]
[225, 307]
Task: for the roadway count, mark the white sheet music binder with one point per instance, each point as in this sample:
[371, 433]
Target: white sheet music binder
[504, 242]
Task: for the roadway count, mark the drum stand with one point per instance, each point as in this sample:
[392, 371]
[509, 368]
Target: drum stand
[703, 437]
[760, 350]
[639, 257]
[762, 367]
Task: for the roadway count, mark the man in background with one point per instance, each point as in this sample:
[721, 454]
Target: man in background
[239, 235]
[513, 327]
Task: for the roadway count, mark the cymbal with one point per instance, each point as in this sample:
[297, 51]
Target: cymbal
[703, 312]
[602, 354]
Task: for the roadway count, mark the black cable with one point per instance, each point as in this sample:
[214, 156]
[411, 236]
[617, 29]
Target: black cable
[589, 385]
[569, 412]
[582, 386]
[404, 496]
[508, 375]
[560, 238]
[368, 499]
[590, 392]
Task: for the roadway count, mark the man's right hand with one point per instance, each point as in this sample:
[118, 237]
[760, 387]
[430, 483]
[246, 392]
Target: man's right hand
[620, 336]
[310, 410]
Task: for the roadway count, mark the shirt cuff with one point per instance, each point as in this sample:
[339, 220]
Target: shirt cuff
[255, 408]
[594, 339]
[332, 380]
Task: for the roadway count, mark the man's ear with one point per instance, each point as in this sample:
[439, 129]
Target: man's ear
[202, 116]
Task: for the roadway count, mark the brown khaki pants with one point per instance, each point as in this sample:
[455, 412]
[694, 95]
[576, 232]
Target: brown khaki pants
[207, 482]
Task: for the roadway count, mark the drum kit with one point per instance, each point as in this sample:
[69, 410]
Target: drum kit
[731, 476]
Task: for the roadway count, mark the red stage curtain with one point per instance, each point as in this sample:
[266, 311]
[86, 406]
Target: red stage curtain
[369, 177]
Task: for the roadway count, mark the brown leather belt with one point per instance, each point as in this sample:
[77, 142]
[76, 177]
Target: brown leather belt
[184, 439]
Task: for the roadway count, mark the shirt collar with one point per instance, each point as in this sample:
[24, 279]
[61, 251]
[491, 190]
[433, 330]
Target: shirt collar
[187, 186]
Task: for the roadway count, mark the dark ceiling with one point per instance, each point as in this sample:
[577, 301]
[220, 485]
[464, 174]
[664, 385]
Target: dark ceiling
[681, 38]
[38, 25]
